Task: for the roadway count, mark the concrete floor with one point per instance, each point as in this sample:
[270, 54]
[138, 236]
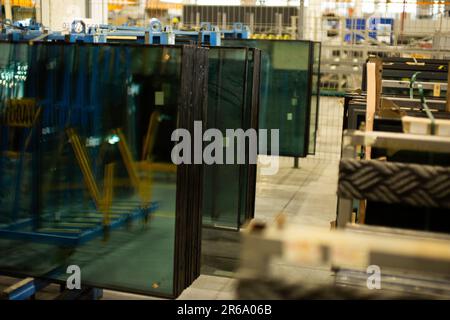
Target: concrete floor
[307, 196]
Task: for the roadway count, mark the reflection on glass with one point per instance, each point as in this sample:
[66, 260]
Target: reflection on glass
[285, 91]
[228, 197]
[85, 169]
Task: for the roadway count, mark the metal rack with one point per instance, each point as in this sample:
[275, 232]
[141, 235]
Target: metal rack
[156, 33]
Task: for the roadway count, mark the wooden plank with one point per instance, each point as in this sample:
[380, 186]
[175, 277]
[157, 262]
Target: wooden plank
[395, 140]
[8, 10]
[371, 101]
[345, 249]
[416, 125]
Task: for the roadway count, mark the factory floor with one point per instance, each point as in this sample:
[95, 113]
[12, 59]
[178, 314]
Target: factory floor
[306, 195]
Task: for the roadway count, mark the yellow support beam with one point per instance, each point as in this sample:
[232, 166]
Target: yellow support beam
[108, 189]
[143, 190]
[21, 113]
[128, 159]
[150, 137]
[84, 163]
[20, 3]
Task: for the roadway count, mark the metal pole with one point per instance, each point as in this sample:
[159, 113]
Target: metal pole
[279, 22]
[88, 5]
[293, 26]
[300, 27]
[224, 21]
[296, 163]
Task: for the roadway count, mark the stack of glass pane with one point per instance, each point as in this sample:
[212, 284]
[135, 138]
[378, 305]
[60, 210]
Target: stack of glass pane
[86, 172]
[233, 100]
[287, 83]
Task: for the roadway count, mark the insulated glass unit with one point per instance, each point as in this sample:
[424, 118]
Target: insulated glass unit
[286, 89]
[86, 168]
[233, 97]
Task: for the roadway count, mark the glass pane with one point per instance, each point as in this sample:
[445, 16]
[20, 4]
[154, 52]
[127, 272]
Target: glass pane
[16, 138]
[106, 188]
[285, 91]
[248, 174]
[229, 107]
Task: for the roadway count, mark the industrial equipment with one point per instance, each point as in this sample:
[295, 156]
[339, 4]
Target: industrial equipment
[155, 33]
[397, 153]
[410, 264]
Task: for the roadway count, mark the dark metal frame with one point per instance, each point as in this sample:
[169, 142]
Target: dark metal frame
[189, 177]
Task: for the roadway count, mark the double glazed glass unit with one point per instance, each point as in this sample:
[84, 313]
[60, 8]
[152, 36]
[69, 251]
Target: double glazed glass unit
[86, 175]
[233, 100]
[290, 78]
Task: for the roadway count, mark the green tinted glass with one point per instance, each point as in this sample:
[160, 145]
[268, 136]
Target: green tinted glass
[94, 150]
[230, 105]
[285, 91]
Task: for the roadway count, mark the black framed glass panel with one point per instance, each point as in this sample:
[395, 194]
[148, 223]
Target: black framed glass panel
[102, 195]
[232, 105]
[286, 86]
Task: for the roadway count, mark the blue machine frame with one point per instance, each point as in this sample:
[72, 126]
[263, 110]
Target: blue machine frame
[29, 287]
[23, 229]
[155, 34]
[16, 231]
